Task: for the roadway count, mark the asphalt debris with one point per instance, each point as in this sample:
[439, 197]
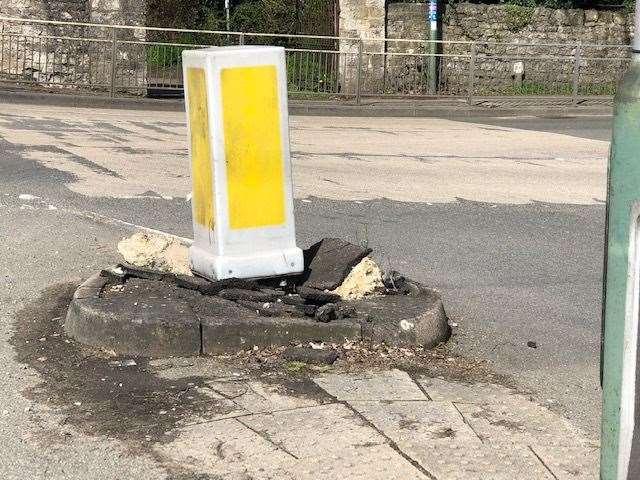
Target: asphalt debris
[328, 262]
[314, 356]
[326, 313]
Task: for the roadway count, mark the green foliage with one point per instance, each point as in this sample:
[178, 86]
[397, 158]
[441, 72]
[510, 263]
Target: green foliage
[167, 55]
[264, 16]
[518, 16]
[311, 72]
[296, 367]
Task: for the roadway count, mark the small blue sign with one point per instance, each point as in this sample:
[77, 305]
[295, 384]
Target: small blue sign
[432, 14]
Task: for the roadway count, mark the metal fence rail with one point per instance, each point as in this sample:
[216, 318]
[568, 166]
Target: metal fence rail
[131, 60]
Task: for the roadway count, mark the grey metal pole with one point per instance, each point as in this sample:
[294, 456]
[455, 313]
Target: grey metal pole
[472, 74]
[359, 73]
[577, 59]
[114, 61]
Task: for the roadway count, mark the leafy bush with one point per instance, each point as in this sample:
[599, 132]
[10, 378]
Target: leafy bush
[311, 72]
[265, 16]
[169, 55]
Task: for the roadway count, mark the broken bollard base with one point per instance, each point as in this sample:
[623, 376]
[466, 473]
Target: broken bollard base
[157, 318]
[132, 310]
[266, 264]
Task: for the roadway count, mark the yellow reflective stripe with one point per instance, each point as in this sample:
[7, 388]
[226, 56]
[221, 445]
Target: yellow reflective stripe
[201, 174]
[253, 150]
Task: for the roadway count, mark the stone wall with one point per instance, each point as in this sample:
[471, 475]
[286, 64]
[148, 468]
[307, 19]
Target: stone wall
[361, 19]
[407, 72]
[493, 27]
[131, 69]
[31, 53]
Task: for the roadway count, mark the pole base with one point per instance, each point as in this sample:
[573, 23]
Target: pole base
[264, 264]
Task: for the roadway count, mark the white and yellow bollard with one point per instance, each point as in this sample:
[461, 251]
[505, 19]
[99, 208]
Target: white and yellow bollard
[242, 201]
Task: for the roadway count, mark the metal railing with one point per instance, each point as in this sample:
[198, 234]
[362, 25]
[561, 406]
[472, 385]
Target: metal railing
[133, 60]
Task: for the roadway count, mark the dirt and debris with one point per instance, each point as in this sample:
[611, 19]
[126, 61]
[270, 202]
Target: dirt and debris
[158, 252]
[310, 355]
[328, 263]
[327, 312]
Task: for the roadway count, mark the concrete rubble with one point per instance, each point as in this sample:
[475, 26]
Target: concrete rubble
[159, 252]
[364, 279]
[335, 270]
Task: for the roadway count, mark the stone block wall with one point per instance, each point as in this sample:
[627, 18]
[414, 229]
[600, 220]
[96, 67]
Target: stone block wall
[406, 66]
[84, 58]
[495, 28]
[492, 26]
[363, 19]
[131, 68]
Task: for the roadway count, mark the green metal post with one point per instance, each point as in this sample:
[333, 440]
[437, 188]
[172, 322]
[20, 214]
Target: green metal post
[620, 459]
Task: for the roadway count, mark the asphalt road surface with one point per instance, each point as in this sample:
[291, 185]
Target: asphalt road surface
[503, 215]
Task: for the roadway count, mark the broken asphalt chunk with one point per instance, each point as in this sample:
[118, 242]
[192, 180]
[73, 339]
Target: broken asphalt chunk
[190, 282]
[141, 272]
[213, 288]
[114, 274]
[328, 262]
[326, 313]
[318, 297]
[236, 294]
[310, 355]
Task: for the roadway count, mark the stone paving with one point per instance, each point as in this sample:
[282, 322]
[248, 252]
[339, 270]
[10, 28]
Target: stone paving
[381, 424]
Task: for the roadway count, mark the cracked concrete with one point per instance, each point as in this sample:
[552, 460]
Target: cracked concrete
[383, 425]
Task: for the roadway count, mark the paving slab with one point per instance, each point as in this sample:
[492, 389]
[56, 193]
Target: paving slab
[259, 397]
[518, 423]
[500, 415]
[373, 386]
[439, 439]
[229, 450]
[570, 463]
[426, 422]
[485, 463]
[332, 440]
[325, 442]
[442, 390]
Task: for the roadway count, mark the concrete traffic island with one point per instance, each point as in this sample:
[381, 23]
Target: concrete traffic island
[244, 228]
[130, 310]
